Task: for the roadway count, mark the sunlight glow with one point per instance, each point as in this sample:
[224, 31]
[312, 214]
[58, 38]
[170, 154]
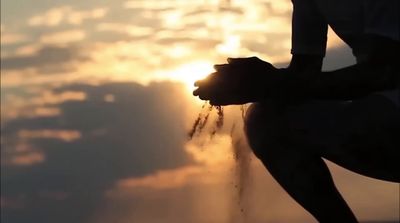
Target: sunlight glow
[230, 46]
[189, 73]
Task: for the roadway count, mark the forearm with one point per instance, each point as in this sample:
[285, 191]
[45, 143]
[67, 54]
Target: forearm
[377, 73]
[344, 84]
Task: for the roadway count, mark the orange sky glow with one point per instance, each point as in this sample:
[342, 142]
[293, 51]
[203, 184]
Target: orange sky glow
[76, 73]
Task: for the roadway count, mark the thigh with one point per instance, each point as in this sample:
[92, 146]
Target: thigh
[361, 135]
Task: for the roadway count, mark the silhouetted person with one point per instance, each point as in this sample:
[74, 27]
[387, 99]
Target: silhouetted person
[350, 116]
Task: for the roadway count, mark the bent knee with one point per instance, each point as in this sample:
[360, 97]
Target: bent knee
[264, 128]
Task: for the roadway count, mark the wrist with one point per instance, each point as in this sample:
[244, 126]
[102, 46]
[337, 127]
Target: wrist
[292, 87]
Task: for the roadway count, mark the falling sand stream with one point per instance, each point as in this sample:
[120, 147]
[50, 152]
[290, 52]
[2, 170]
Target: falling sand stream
[240, 204]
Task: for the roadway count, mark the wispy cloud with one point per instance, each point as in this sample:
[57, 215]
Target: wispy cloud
[162, 4]
[49, 97]
[91, 121]
[12, 38]
[63, 135]
[52, 17]
[66, 14]
[216, 155]
[132, 30]
[92, 142]
[40, 57]
[67, 36]
[26, 159]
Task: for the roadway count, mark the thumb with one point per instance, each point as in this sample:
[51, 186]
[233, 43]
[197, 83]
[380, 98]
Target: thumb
[239, 60]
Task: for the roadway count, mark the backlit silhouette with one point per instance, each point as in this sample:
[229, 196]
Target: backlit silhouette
[350, 116]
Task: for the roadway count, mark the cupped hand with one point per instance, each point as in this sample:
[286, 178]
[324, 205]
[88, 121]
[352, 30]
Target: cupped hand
[240, 81]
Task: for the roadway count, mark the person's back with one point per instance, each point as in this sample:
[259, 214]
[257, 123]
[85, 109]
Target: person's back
[349, 116]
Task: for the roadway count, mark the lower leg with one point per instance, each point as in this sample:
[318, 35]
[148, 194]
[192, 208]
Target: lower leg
[308, 181]
[302, 174]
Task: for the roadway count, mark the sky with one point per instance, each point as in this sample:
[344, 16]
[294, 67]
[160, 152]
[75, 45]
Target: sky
[96, 104]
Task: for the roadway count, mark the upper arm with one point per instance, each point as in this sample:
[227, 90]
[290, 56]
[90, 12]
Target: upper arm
[309, 29]
[301, 63]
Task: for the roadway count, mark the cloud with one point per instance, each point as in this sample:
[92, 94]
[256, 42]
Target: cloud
[77, 17]
[12, 38]
[231, 27]
[46, 111]
[52, 17]
[214, 190]
[160, 4]
[216, 155]
[67, 36]
[47, 56]
[162, 179]
[63, 135]
[51, 98]
[117, 152]
[32, 103]
[27, 50]
[131, 30]
[116, 171]
[66, 14]
[161, 38]
[27, 159]
[139, 132]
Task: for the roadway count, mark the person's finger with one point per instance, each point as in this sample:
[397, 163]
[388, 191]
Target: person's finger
[213, 80]
[222, 97]
[196, 92]
[231, 60]
[201, 82]
[197, 83]
[204, 98]
[222, 101]
[201, 92]
[218, 67]
[223, 71]
[203, 89]
[206, 92]
[240, 60]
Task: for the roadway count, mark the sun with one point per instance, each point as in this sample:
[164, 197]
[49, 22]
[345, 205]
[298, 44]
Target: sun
[190, 72]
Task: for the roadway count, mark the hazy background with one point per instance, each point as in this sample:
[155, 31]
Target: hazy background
[96, 103]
